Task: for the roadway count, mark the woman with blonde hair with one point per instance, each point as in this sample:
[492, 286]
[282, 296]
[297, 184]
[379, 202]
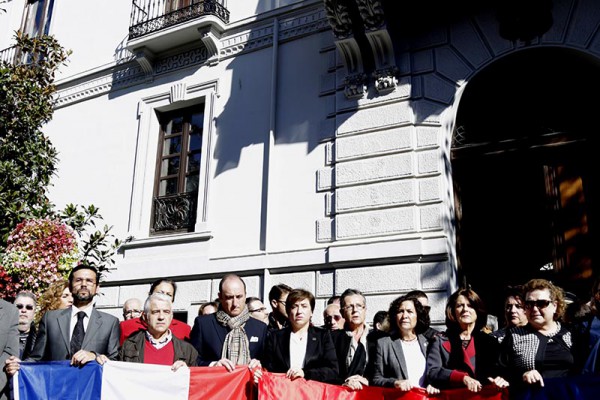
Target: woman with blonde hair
[56, 297]
[544, 347]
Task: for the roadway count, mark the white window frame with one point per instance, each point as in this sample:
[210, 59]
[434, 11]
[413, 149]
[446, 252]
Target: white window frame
[148, 135]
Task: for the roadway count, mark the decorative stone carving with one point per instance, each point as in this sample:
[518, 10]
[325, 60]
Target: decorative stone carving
[371, 12]
[355, 86]
[145, 58]
[338, 16]
[385, 79]
[178, 92]
[211, 38]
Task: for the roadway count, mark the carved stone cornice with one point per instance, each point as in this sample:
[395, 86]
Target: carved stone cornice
[145, 58]
[355, 86]
[338, 16]
[385, 79]
[371, 12]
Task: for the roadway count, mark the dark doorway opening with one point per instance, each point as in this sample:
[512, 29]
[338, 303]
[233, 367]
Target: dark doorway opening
[522, 161]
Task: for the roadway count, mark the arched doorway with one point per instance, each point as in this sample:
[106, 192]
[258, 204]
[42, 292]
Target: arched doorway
[522, 159]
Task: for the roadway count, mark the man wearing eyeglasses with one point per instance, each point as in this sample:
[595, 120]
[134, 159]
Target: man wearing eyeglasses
[79, 333]
[25, 303]
[257, 309]
[278, 318]
[132, 308]
[350, 343]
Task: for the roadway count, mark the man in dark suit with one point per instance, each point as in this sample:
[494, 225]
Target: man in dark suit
[79, 333]
[351, 346]
[9, 341]
[229, 337]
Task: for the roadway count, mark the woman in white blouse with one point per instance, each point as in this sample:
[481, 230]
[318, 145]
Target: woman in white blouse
[301, 350]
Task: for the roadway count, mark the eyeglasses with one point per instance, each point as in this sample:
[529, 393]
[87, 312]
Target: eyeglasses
[132, 312]
[281, 301]
[352, 307]
[540, 304]
[336, 317]
[262, 309]
[28, 306]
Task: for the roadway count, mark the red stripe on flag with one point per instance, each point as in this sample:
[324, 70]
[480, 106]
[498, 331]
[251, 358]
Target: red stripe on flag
[216, 383]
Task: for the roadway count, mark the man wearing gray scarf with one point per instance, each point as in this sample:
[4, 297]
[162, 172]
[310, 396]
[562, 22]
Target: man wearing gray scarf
[229, 337]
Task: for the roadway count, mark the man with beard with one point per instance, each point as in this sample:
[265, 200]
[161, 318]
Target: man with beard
[79, 333]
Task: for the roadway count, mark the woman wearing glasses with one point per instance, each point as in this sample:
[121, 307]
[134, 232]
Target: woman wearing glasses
[400, 359]
[465, 356]
[301, 350]
[544, 347]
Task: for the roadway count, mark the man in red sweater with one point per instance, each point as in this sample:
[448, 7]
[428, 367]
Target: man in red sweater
[156, 344]
[179, 329]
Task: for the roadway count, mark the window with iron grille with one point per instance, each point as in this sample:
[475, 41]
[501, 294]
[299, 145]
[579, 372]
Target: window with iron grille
[178, 170]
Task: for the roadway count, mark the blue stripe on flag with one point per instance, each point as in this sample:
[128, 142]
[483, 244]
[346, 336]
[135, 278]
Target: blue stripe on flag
[57, 380]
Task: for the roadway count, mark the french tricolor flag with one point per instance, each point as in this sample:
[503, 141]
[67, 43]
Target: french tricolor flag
[117, 380]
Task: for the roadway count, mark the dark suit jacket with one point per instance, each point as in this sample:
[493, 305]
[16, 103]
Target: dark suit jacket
[133, 349]
[320, 361]
[390, 363]
[9, 341]
[53, 343]
[208, 336]
[447, 362]
[342, 342]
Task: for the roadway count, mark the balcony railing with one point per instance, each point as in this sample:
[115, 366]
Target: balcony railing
[9, 55]
[149, 16]
[175, 212]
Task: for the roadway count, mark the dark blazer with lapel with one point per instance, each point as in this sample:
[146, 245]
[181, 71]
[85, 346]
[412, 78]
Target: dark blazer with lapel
[320, 361]
[53, 337]
[390, 363]
[9, 341]
[133, 349]
[342, 342]
[208, 336]
[446, 361]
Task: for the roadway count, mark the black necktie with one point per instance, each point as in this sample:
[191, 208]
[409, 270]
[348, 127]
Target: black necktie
[78, 333]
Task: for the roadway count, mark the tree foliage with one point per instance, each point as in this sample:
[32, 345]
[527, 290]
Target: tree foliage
[27, 164]
[27, 157]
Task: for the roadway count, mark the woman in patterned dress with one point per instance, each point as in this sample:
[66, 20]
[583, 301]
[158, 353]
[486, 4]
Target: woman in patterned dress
[544, 347]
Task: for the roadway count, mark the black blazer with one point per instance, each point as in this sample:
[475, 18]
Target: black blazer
[342, 342]
[320, 361]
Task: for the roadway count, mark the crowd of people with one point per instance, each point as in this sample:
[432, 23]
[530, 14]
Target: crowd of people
[401, 350]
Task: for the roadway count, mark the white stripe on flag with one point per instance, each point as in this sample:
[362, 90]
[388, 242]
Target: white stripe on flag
[125, 380]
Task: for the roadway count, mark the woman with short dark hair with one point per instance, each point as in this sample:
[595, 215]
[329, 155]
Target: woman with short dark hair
[301, 350]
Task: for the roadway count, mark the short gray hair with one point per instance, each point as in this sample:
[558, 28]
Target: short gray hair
[157, 296]
[26, 293]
